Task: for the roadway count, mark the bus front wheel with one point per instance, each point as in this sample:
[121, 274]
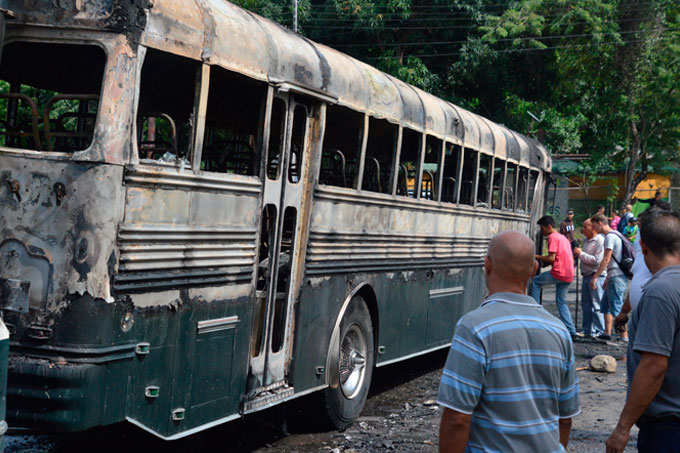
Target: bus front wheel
[345, 400]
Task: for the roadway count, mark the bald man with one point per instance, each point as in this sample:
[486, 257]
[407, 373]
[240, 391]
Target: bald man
[510, 381]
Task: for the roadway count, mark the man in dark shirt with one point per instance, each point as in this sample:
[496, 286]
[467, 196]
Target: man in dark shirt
[567, 228]
[651, 201]
[653, 361]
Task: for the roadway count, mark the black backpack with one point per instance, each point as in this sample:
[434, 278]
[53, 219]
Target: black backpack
[627, 255]
[623, 222]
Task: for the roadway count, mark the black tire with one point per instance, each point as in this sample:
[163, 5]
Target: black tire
[344, 403]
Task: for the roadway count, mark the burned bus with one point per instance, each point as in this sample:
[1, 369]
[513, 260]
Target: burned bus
[205, 215]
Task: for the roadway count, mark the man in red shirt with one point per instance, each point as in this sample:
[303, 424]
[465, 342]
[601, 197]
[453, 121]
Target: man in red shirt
[561, 259]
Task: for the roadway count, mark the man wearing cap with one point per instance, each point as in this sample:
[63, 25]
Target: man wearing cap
[567, 228]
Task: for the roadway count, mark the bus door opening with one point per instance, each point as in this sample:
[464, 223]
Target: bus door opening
[278, 250]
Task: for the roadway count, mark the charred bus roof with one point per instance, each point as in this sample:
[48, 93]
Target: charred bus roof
[218, 32]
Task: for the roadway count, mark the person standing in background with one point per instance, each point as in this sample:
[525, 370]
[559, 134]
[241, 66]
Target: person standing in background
[567, 228]
[561, 258]
[616, 281]
[591, 257]
[652, 201]
[627, 215]
[631, 230]
[615, 220]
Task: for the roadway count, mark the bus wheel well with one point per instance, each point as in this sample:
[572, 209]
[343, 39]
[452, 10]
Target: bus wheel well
[367, 293]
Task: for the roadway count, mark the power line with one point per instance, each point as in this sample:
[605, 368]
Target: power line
[529, 38]
[447, 27]
[579, 46]
[453, 16]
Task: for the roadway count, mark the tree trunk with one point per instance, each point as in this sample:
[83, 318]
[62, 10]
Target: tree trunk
[637, 154]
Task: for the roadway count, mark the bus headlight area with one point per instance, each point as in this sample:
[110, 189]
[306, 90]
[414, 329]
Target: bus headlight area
[204, 216]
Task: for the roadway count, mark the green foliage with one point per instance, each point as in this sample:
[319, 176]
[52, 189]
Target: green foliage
[411, 70]
[596, 77]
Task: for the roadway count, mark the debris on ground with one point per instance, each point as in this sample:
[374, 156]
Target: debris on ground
[603, 363]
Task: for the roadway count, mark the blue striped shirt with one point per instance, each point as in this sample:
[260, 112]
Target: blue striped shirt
[511, 366]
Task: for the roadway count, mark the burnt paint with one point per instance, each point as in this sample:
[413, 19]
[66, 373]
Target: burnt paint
[208, 29]
[324, 66]
[122, 16]
[82, 250]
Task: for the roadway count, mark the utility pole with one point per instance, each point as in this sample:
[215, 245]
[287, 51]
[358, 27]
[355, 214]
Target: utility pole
[295, 12]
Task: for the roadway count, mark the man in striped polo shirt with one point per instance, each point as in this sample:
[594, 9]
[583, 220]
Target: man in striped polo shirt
[510, 382]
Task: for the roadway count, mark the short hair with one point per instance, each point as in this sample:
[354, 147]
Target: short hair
[660, 206]
[570, 211]
[546, 220]
[660, 231]
[664, 205]
[599, 206]
[658, 192]
[601, 218]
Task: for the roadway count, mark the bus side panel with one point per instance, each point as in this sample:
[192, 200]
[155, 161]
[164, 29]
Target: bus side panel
[423, 263]
[188, 244]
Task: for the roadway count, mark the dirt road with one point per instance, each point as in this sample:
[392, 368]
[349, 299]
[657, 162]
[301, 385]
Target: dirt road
[400, 415]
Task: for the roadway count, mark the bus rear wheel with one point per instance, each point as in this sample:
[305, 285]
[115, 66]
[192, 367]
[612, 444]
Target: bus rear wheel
[355, 368]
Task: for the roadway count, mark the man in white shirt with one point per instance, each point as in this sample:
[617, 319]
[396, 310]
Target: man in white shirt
[591, 256]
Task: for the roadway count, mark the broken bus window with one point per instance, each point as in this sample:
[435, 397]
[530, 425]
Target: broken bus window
[49, 95]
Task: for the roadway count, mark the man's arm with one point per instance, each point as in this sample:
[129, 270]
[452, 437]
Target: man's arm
[454, 431]
[547, 259]
[565, 429]
[646, 384]
[603, 265]
[622, 319]
[595, 257]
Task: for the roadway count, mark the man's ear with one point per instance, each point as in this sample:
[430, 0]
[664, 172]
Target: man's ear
[643, 247]
[487, 265]
[535, 268]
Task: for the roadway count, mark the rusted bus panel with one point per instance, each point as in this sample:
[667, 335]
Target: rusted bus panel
[115, 15]
[413, 110]
[173, 237]
[455, 130]
[472, 137]
[524, 149]
[367, 231]
[185, 28]
[62, 228]
[255, 54]
[538, 157]
[486, 135]
[512, 147]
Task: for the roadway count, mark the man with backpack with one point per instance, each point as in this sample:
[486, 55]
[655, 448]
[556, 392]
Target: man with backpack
[618, 257]
[625, 218]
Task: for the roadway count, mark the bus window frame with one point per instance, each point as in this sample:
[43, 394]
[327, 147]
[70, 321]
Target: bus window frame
[489, 181]
[501, 184]
[418, 189]
[456, 148]
[200, 107]
[419, 167]
[362, 152]
[394, 173]
[440, 176]
[108, 46]
[436, 183]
